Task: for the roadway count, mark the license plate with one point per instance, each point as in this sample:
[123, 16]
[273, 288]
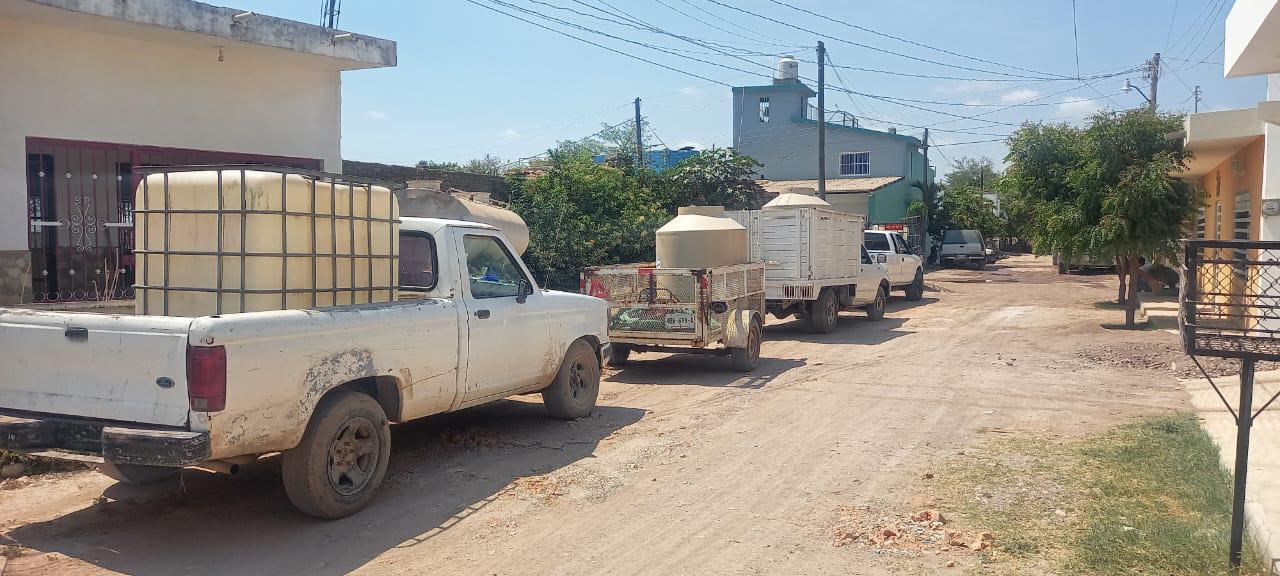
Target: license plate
[679, 320]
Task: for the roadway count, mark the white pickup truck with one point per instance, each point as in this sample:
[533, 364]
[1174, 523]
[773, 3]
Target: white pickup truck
[815, 264]
[906, 270]
[145, 395]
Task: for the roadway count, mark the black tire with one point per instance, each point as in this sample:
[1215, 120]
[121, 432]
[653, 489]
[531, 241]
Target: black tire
[619, 354]
[138, 474]
[915, 290]
[1062, 268]
[337, 468]
[573, 393]
[825, 312]
[875, 310]
[745, 359]
[982, 264]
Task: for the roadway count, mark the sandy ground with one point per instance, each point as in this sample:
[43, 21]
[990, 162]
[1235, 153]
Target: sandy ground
[688, 468]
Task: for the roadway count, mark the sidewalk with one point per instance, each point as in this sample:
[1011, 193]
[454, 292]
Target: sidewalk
[1262, 505]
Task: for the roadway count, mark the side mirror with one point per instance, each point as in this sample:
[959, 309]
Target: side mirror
[523, 290]
[881, 258]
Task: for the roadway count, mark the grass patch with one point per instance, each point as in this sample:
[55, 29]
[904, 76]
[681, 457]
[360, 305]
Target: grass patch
[1149, 497]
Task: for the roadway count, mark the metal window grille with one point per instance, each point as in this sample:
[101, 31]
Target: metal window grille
[1231, 299]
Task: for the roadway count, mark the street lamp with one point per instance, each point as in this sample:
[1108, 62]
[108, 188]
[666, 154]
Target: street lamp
[1128, 86]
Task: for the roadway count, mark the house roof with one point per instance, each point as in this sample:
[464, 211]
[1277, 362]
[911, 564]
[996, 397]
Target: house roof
[834, 185]
[796, 86]
[911, 140]
[188, 21]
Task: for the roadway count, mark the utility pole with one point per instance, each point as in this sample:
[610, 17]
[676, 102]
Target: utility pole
[329, 13]
[1198, 94]
[1153, 70]
[639, 138]
[822, 121]
[927, 213]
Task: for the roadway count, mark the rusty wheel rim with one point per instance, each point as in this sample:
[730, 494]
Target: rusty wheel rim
[353, 456]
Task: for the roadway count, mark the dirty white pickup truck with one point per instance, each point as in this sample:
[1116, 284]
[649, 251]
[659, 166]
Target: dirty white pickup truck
[145, 395]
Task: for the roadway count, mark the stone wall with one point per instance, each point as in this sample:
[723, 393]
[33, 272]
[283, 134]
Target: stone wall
[15, 276]
[496, 186]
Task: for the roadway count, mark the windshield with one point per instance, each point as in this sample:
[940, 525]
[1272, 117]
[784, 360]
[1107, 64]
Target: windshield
[876, 241]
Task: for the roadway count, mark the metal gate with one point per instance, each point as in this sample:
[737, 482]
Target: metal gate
[80, 212]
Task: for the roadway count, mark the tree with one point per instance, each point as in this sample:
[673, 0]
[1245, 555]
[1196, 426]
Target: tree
[489, 164]
[975, 173]
[1108, 190]
[715, 177]
[583, 214]
[964, 208]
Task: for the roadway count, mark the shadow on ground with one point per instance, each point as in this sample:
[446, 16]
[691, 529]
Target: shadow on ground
[699, 370]
[443, 469]
[853, 328]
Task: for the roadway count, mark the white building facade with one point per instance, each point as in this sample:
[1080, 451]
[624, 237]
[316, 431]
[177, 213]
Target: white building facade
[93, 88]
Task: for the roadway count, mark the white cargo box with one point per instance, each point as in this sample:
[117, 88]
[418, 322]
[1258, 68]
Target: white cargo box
[804, 248]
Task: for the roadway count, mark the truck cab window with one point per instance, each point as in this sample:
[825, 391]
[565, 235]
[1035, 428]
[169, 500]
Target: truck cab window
[876, 241]
[492, 271]
[902, 247]
[417, 262]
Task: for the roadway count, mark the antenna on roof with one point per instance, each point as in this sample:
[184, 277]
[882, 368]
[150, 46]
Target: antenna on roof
[329, 12]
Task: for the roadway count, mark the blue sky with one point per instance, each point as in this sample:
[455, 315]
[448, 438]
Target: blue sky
[471, 81]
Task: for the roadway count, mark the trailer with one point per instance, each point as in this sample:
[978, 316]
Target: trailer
[815, 264]
[716, 311]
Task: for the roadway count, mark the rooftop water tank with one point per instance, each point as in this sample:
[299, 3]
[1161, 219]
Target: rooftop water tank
[788, 70]
[701, 237]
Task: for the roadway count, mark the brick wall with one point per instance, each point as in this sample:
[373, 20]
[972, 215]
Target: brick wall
[496, 186]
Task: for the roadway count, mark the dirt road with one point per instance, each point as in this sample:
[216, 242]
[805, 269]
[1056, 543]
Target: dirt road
[689, 468]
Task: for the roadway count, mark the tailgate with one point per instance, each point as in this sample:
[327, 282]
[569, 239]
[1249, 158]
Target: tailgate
[126, 368]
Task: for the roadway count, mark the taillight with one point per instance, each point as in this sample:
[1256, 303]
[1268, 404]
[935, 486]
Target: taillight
[207, 378]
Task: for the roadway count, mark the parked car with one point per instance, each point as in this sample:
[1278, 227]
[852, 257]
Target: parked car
[147, 395]
[963, 247]
[1081, 263]
[815, 264]
[906, 270]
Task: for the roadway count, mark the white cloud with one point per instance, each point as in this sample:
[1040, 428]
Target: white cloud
[375, 114]
[965, 87]
[1020, 96]
[691, 91]
[511, 134]
[1077, 106]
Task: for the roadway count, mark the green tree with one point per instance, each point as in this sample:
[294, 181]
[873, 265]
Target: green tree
[583, 214]
[975, 173]
[715, 177]
[1108, 190]
[964, 208]
[489, 164]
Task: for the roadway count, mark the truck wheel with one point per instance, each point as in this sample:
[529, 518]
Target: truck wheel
[875, 310]
[745, 359]
[619, 354]
[573, 393]
[982, 264]
[337, 467]
[137, 474]
[825, 313]
[915, 290]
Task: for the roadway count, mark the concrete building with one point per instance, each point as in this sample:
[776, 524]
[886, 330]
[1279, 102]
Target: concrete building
[92, 88]
[878, 172]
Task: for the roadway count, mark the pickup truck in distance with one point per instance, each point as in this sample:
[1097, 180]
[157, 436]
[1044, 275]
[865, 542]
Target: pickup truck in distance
[963, 247]
[143, 396]
[906, 272]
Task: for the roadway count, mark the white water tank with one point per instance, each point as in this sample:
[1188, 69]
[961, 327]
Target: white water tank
[788, 70]
[701, 237]
[432, 203]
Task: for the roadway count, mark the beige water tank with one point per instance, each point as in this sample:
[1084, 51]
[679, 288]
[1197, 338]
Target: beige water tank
[701, 237]
[301, 242]
[794, 200]
[425, 202]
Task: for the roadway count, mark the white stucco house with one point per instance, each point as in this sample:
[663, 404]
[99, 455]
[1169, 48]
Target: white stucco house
[90, 89]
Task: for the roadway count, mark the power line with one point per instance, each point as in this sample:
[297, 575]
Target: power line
[578, 141]
[1173, 16]
[908, 41]
[776, 42]
[969, 142]
[873, 48]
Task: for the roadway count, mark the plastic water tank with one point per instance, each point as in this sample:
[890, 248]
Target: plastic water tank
[429, 203]
[788, 70]
[701, 237]
[301, 243]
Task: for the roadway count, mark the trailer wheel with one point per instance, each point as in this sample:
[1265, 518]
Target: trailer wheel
[915, 290]
[875, 310]
[619, 354]
[573, 393]
[339, 464]
[825, 312]
[745, 359]
[137, 474]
